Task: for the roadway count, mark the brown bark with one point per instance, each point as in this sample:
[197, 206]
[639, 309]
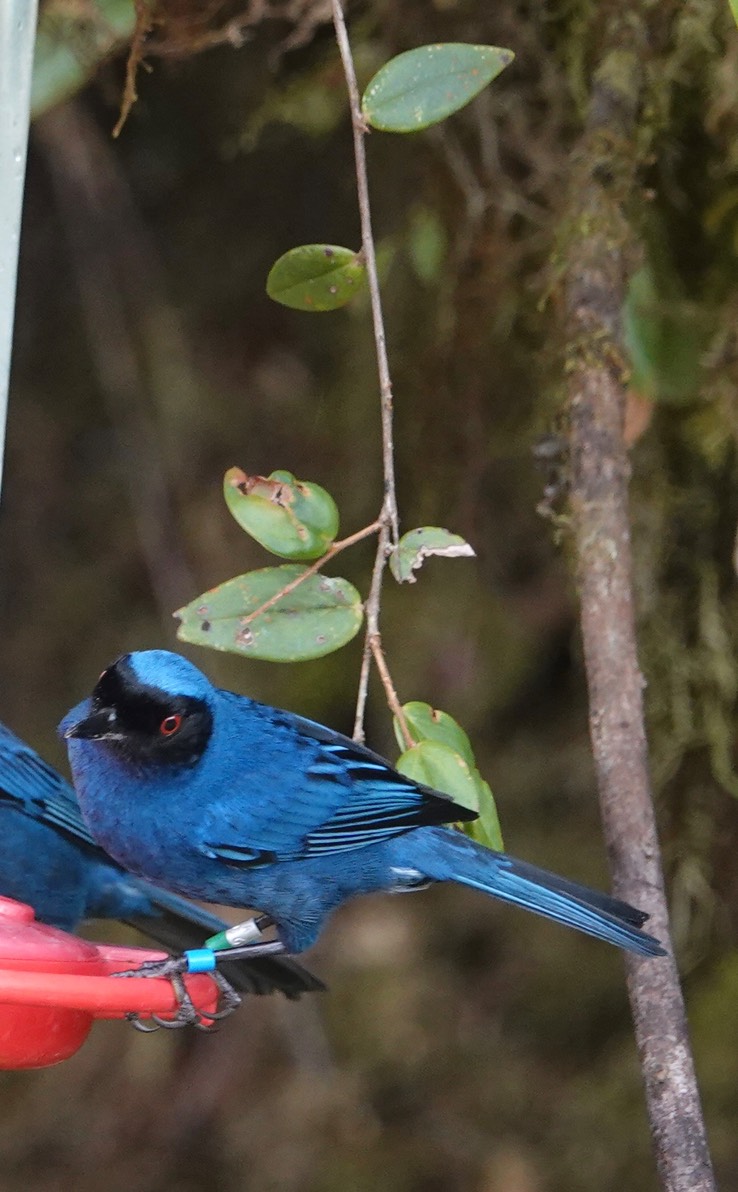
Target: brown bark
[597, 252]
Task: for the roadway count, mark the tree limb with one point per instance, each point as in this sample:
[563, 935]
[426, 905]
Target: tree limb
[596, 265]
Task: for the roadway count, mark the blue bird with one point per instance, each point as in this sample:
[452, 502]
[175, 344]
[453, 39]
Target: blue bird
[215, 796]
[49, 860]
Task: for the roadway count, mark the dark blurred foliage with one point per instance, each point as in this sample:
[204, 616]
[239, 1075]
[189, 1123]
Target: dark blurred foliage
[462, 1046]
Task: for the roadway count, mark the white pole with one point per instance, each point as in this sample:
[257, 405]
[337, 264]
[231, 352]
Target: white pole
[17, 37]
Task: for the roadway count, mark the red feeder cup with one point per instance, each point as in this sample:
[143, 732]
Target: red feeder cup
[54, 985]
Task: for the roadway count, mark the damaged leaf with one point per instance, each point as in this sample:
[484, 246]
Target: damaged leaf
[295, 519]
[417, 545]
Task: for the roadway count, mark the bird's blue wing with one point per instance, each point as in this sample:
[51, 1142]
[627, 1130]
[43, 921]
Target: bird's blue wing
[380, 803]
[333, 794]
[37, 789]
[67, 880]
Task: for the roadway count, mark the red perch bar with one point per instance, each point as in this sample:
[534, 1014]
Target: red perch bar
[54, 985]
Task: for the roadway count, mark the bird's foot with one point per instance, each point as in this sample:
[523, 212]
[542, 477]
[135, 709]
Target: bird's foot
[173, 969]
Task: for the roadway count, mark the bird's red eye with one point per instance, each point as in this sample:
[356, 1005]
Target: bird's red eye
[170, 725]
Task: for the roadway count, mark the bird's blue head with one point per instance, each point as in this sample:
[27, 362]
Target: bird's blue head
[151, 707]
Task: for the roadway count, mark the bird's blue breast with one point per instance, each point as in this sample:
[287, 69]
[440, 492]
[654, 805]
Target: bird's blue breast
[259, 785]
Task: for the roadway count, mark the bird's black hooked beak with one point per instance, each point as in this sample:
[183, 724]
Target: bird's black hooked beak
[100, 725]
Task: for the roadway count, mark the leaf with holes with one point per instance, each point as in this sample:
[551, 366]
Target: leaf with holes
[292, 518]
[423, 86]
[316, 618]
[316, 277]
[417, 545]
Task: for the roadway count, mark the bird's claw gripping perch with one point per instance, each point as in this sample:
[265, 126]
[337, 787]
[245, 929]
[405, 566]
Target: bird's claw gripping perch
[189, 1015]
[173, 969]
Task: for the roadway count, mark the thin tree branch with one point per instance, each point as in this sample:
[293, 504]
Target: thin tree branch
[367, 240]
[371, 609]
[375, 645]
[389, 534]
[373, 648]
[595, 250]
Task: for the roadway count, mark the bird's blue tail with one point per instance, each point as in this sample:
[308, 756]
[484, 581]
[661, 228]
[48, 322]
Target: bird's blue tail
[447, 855]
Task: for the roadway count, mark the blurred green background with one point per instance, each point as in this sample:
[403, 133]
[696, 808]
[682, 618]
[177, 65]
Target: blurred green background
[461, 1045]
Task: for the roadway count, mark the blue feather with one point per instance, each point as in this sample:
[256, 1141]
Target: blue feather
[245, 804]
[49, 860]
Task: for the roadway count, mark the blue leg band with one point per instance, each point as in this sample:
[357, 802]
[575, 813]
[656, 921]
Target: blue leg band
[200, 960]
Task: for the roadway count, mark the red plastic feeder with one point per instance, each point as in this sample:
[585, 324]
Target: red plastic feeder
[54, 985]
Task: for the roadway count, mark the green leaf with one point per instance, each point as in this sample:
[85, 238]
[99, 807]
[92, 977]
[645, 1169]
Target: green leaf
[318, 617]
[292, 518]
[486, 830]
[429, 724]
[416, 546]
[443, 759]
[316, 277]
[734, 9]
[425, 85]
[443, 769]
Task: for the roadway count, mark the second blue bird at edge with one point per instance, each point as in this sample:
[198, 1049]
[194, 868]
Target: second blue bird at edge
[49, 860]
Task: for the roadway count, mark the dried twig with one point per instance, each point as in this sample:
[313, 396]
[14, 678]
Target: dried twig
[597, 239]
[144, 25]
